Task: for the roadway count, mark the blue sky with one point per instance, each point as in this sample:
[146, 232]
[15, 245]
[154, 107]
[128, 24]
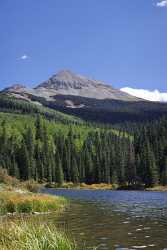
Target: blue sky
[123, 42]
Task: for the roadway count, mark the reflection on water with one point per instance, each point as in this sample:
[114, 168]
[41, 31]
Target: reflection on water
[116, 219]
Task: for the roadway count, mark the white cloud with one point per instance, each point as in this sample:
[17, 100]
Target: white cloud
[162, 3]
[24, 57]
[154, 95]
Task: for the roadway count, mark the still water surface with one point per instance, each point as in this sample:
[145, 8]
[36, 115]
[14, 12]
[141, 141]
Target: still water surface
[115, 220]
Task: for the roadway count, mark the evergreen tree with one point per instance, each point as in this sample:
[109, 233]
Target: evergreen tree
[39, 161]
[24, 163]
[164, 173]
[30, 144]
[74, 171]
[39, 128]
[59, 171]
[131, 167]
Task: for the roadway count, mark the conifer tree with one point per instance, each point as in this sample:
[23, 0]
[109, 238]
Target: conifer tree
[59, 171]
[30, 144]
[163, 179]
[131, 167]
[74, 171]
[39, 161]
[24, 163]
[39, 128]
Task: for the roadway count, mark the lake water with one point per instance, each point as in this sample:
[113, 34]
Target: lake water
[115, 220]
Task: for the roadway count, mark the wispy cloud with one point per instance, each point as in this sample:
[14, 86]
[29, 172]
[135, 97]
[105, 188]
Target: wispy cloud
[162, 3]
[154, 95]
[24, 57]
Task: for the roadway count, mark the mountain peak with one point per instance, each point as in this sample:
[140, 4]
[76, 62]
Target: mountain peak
[66, 79]
[67, 76]
[65, 73]
[67, 83]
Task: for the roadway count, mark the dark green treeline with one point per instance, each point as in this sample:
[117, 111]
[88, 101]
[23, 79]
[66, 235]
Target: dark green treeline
[100, 156]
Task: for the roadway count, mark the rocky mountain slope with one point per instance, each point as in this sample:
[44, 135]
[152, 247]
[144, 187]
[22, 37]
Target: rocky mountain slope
[90, 100]
[67, 83]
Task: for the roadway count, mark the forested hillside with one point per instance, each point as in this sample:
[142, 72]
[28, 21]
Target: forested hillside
[109, 111]
[13, 105]
[36, 148]
[86, 109]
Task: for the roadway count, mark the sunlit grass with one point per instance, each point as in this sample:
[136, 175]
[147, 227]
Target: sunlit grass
[158, 188]
[30, 236]
[71, 185]
[14, 202]
[103, 186]
[22, 230]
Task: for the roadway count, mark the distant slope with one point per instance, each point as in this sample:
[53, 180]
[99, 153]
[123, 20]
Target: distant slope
[106, 111]
[10, 104]
[16, 123]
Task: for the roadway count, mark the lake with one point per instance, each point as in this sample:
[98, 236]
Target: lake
[115, 220]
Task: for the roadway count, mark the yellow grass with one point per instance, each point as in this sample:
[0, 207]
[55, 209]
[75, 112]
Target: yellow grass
[102, 186]
[157, 188]
[11, 202]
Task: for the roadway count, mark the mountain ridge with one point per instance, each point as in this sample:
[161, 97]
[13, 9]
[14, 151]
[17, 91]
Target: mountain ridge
[81, 109]
[86, 99]
[66, 82]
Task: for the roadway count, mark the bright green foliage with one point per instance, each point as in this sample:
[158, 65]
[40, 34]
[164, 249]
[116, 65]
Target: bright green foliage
[35, 148]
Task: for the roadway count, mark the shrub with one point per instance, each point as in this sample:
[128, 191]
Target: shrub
[6, 179]
[31, 186]
[69, 185]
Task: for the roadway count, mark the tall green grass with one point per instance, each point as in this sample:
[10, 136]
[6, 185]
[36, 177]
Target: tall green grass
[30, 236]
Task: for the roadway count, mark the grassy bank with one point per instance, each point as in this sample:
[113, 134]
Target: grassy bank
[71, 185]
[15, 202]
[30, 236]
[158, 188]
[29, 232]
[15, 197]
[105, 186]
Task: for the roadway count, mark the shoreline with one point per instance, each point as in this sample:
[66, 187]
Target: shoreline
[112, 187]
[24, 218]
